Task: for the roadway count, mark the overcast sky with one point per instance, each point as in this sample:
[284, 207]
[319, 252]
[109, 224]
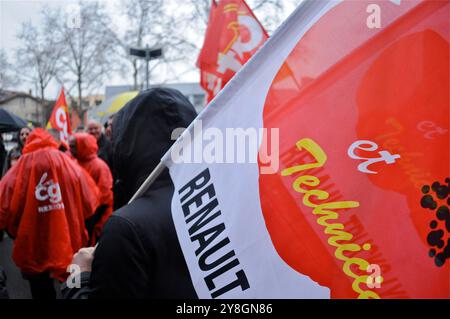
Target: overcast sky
[15, 12]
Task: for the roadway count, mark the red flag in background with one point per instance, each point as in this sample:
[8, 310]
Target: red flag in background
[233, 35]
[60, 120]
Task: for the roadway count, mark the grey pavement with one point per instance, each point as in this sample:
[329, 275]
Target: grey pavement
[18, 288]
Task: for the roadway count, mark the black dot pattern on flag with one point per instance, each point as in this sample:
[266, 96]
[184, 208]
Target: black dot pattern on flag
[432, 199]
[432, 252]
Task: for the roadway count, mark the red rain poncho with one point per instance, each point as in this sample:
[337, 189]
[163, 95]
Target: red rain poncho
[44, 201]
[86, 155]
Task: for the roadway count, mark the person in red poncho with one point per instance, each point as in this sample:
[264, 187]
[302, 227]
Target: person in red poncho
[84, 148]
[44, 202]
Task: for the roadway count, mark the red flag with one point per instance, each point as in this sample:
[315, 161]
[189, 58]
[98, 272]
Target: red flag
[233, 35]
[60, 120]
[352, 199]
[360, 203]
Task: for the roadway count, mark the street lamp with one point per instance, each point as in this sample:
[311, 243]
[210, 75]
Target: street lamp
[147, 54]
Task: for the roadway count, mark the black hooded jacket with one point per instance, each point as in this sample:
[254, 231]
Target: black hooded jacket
[138, 254]
[105, 150]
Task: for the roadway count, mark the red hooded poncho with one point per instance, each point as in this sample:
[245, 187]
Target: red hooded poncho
[44, 201]
[86, 155]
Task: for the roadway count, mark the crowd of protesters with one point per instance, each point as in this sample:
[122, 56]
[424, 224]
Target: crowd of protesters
[57, 204]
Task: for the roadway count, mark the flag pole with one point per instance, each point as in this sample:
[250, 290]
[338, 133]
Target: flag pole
[149, 181]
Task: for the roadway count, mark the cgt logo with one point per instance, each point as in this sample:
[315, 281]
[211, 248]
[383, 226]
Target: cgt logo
[48, 190]
[244, 35]
[61, 122]
[246, 27]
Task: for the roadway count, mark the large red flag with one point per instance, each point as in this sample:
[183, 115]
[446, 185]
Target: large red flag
[233, 35]
[362, 189]
[60, 120]
[353, 198]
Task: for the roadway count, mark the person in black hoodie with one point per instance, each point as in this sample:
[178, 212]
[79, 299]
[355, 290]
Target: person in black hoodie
[138, 254]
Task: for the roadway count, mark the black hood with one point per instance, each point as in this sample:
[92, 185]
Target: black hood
[142, 135]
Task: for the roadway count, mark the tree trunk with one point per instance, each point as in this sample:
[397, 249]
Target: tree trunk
[80, 98]
[39, 118]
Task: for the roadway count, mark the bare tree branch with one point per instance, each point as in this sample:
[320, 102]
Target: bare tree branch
[87, 59]
[7, 77]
